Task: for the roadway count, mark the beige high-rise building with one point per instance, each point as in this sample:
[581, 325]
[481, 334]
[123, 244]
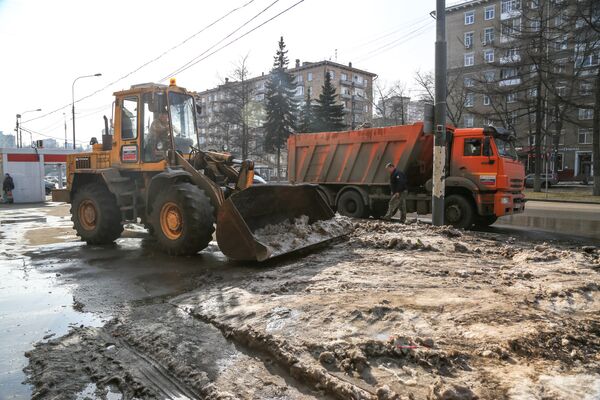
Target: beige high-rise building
[354, 89]
[491, 45]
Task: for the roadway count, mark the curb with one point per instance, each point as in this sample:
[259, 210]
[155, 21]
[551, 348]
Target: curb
[563, 201]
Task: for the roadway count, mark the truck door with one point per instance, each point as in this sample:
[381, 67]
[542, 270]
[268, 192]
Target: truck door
[473, 159]
[129, 148]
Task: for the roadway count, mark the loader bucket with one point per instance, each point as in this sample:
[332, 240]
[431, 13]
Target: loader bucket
[256, 207]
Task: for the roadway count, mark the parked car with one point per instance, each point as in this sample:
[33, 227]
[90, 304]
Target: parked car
[49, 187]
[552, 179]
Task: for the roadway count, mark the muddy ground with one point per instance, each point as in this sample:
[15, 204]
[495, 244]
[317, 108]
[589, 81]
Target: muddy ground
[393, 312]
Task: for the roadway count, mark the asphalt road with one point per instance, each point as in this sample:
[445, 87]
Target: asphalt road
[563, 220]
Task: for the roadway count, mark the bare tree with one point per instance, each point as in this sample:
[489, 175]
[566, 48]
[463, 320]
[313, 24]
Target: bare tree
[457, 94]
[391, 103]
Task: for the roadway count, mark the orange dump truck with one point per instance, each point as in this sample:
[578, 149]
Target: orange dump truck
[484, 179]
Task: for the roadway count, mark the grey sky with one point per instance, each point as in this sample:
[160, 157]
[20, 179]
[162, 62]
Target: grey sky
[46, 44]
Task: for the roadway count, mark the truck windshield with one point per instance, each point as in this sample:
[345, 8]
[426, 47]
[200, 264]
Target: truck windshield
[506, 148]
[183, 121]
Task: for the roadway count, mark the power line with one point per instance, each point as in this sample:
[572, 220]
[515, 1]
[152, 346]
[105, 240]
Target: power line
[239, 37]
[32, 132]
[182, 68]
[146, 63]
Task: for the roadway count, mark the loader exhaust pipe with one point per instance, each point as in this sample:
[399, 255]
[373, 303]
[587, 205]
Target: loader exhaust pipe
[106, 136]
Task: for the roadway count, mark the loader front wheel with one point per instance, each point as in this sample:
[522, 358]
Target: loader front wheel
[183, 219]
[96, 215]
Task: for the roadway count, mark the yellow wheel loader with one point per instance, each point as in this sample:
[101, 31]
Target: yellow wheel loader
[151, 170]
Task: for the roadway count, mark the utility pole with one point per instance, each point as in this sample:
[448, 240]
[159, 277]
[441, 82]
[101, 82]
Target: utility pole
[439, 141]
[17, 131]
[65, 119]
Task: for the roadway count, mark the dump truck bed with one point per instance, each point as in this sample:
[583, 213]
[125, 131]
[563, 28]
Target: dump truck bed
[359, 157]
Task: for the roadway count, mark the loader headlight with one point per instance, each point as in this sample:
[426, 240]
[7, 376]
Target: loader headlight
[505, 200]
[159, 146]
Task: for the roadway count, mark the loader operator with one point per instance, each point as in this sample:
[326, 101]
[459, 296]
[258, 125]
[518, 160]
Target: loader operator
[398, 192]
[159, 137]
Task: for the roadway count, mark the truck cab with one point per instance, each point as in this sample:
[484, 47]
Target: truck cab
[485, 160]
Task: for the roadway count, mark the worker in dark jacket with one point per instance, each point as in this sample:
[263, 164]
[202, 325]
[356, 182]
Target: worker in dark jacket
[398, 191]
[7, 187]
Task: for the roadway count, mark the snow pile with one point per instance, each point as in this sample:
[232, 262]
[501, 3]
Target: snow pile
[291, 235]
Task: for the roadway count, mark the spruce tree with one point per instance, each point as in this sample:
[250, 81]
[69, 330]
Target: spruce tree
[329, 115]
[280, 105]
[306, 117]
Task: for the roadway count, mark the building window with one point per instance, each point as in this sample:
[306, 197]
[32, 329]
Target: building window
[486, 100]
[560, 66]
[488, 36]
[506, 73]
[469, 17]
[469, 122]
[585, 89]
[358, 79]
[561, 89]
[469, 100]
[585, 136]
[489, 76]
[468, 40]
[510, 5]
[511, 119]
[331, 74]
[511, 97]
[534, 4]
[584, 57]
[535, 25]
[299, 91]
[468, 81]
[344, 77]
[488, 56]
[489, 12]
[300, 79]
[532, 93]
[309, 76]
[586, 113]
[561, 43]
[469, 59]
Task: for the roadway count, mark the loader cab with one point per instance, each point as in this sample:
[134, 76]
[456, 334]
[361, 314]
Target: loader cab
[152, 119]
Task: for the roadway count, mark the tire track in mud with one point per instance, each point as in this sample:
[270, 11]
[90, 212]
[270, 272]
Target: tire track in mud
[104, 359]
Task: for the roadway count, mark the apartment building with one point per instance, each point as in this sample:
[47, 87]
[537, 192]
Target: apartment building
[354, 88]
[494, 56]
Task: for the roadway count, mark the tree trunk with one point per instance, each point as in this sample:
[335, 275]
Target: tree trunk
[278, 164]
[596, 137]
[537, 183]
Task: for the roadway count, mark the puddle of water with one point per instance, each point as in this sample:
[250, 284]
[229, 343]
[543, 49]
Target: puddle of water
[577, 226]
[32, 307]
[89, 392]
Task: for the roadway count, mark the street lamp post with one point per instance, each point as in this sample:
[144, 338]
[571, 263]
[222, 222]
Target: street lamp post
[18, 128]
[73, 100]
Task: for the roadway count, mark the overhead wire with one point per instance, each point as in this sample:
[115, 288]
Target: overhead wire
[191, 62]
[244, 35]
[144, 64]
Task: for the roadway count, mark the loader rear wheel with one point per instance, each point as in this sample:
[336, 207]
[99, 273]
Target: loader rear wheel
[351, 204]
[96, 215]
[183, 219]
[458, 212]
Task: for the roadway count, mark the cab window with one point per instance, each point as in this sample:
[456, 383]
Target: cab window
[472, 147]
[129, 118]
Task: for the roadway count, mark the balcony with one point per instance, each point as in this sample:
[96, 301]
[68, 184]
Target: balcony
[510, 14]
[345, 95]
[510, 59]
[510, 81]
[348, 82]
[506, 38]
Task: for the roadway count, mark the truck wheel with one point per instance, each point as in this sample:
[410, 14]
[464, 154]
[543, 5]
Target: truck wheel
[182, 219]
[485, 220]
[96, 215]
[458, 212]
[351, 204]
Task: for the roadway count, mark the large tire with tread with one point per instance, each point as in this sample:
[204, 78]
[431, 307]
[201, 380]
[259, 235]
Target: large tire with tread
[95, 214]
[458, 212]
[351, 204]
[182, 219]
[485, 220]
